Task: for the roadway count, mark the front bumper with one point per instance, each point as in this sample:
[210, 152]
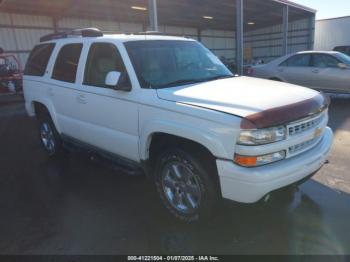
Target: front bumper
[249, 185]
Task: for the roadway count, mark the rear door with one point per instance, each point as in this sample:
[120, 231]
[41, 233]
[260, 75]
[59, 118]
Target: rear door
[63, 88]
[296, 70]
[327, 75]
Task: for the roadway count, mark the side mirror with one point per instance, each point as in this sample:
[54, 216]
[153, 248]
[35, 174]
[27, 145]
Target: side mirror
[118, 81]
[342, 66]
[112, 79]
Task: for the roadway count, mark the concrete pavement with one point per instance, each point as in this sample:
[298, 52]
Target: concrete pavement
[78, 206]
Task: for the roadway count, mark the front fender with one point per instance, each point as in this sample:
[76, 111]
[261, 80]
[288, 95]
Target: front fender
[206, 138]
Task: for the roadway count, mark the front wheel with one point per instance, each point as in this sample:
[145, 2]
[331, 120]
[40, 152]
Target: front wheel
[185, 185]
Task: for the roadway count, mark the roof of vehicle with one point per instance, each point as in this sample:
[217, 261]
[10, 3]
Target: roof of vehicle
[124, 38]
[140, 37]
[318, 52]
[94, 33]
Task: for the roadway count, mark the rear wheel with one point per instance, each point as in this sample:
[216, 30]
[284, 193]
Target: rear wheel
[49, 136]
[185, 185]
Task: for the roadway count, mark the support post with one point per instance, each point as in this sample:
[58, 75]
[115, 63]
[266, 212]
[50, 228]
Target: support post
[153, 15]
[285, 29]
[239, 37]
[312, 22]
[55, 24]
[199, 34]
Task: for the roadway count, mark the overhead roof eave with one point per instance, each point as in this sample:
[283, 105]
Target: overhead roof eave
[299, 6]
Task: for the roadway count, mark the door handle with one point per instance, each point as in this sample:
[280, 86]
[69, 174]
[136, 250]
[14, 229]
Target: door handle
[280, 69]
[316, 71]
[81, 98]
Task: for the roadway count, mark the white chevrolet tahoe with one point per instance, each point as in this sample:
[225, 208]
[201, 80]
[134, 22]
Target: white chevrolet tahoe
[169, 107]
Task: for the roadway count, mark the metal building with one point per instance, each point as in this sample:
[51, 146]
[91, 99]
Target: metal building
[332, 32]
[241, 30]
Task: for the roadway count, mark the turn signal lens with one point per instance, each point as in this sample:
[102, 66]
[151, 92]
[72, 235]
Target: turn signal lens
[254, 161]
[247, 161]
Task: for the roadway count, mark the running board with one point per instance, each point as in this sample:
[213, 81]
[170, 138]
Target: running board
[107, 159]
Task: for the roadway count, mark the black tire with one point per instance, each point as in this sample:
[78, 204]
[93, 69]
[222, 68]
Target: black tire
[202, 177]
[52, 136]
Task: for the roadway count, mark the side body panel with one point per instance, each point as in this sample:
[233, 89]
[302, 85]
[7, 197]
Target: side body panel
[214, 130]
[102, 117]
[331, 79]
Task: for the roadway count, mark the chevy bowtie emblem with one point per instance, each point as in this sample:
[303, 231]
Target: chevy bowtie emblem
[318, 132]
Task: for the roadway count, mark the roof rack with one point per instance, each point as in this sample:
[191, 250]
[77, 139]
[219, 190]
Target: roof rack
[134, 33]
[84, 32]
[149, 33]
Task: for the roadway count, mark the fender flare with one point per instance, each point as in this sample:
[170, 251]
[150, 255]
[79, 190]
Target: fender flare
[51, 109]
[203, 137]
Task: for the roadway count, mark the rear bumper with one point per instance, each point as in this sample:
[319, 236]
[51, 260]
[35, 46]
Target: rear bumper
[249, 185]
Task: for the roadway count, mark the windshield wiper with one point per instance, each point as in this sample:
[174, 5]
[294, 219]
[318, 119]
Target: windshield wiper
[219, 77]
[179, 82]
[192, 81]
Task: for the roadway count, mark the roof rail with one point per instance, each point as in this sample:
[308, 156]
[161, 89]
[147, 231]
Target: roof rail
[84, 32]
[149, 33]
[134, 33]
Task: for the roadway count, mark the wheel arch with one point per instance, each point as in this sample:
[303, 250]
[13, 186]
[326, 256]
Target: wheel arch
[203, 138]
[39, 107]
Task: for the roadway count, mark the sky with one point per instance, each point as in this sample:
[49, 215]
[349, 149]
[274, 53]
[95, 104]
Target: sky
[327, 8]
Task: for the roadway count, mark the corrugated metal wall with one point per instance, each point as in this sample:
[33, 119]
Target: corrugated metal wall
[331, 33]
[266, 43]
[222, 43]
[19, 33]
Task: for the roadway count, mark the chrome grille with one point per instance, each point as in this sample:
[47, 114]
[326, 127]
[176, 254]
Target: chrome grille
[303, 146]
[305, 125]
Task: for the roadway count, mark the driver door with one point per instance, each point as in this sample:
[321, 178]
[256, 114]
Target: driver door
[109, 118]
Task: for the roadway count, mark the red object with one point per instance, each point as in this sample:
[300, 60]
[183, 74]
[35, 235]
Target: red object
[285, 114]
[16, 74]
[19, 74]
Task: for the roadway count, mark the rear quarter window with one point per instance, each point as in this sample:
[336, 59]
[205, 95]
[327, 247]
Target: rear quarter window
[38, 60]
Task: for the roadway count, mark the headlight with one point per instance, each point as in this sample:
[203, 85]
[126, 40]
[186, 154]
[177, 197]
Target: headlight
[262, 136]
[254, 161]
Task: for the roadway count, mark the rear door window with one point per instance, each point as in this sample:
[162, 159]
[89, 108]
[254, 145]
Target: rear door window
[297, 61]
[67, 61]
[38, 60]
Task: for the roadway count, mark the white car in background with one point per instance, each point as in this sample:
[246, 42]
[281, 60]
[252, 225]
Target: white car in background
[326, 71]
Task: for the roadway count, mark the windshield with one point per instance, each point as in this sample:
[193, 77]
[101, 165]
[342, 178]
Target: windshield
[166, 63]
[344, 58]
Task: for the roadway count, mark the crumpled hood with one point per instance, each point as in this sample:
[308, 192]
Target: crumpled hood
[241, 96]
